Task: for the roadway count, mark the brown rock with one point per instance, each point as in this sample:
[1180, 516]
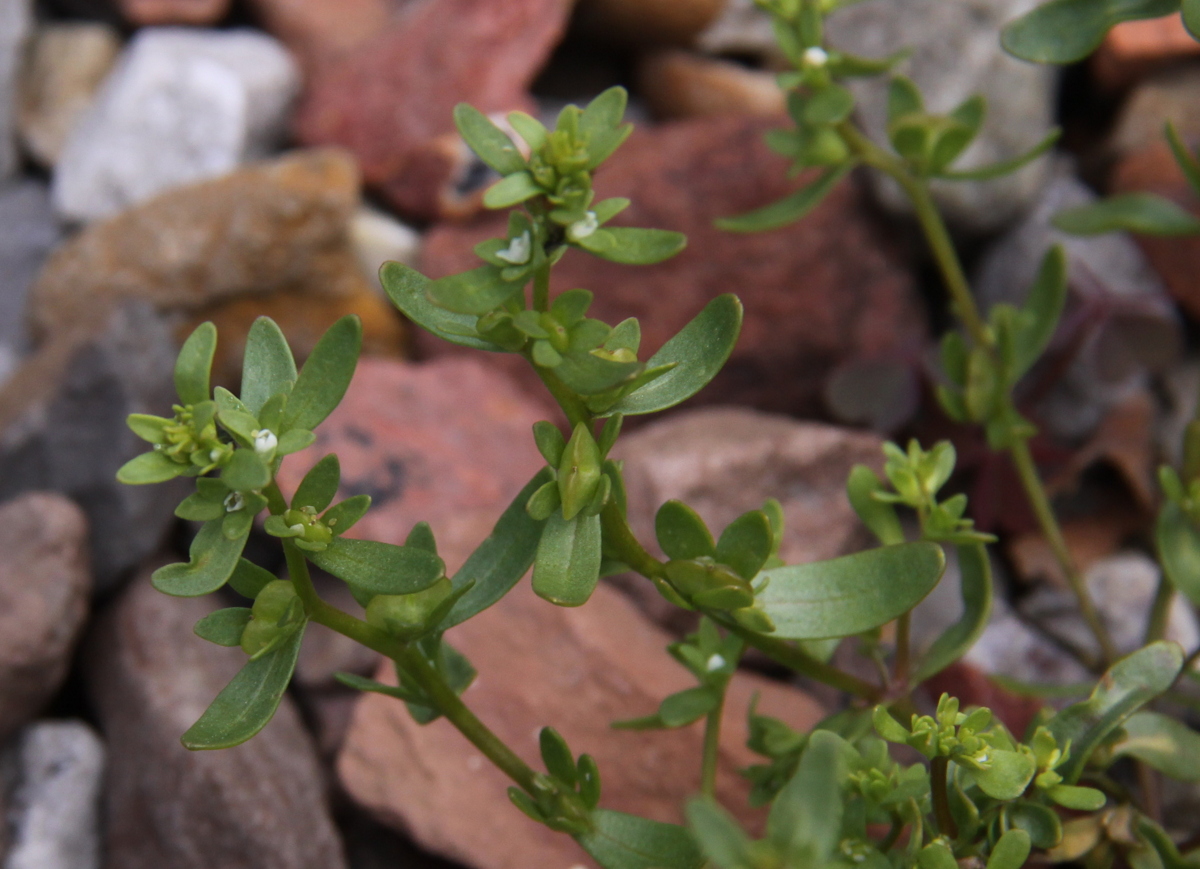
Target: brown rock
[44, 589]
[278, 225]
[825, 290]
[576, 670]
[725, 461]
[66, 64]
[1168, 96]
[260, 805]
[144, 13]
[318, 30]
[655, 22]
[390, 100]
[1134, 49]
[679, 84]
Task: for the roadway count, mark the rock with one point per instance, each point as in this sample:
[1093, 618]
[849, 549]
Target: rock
[678, 84]
[1168, 96]
[378, 238]
[742, 29]
[180, 106]
[1122, 586]
[576, 670]
[143, 13]
[1153, 170]
[30, 233]
[856, 298]
[280, 225]
[62, 428]
[1119, 325]
[649, 22]
[319, 30]
[66, 64]
[57, 802]
[956, 53]
[1133, 49]
[260, 804]
[44, 588]
[725, 461]
[390, 101]
[15, 20]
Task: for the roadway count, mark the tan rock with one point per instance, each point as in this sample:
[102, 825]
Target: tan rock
[1169, 96]
[65, 65]
[654, 22]
[576, 670]
[144, 13]
[1134, 49]
[44, 588]
[678, 84]
[317, 30]
[273, 226]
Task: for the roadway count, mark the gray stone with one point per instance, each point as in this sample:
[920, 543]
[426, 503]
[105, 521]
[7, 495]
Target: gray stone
[44, 587]
[259, 805]
[62, 427]
[956, 53]
[56, 806]
[28, 232]
[180, 106]
[378, 238]
[15, 19]
[1119, 326]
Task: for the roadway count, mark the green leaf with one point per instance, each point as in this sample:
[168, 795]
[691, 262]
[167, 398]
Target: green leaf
[528, 128]
[409, 291]
[936, 855]
[1065, 31]
[341, 516]
[294, 441]
[1166, 744]
[247, 703]
[904, 98]
[620, 841]
[567, 566]
[473, 292]
[502, 559]
[745, 544]
[720, 837]
[877, 515]
[1191, 17]
[487, 140]
[1011, 851]
[601, 122]
[1128, 685]
[267, 365]
[1044, 307]
[789, 209]
[223, 627]
[851, 594]
[1141, 213]
[248, 579]
[151, 467]
[512, 190]
[698, 351]
[246, 471]
[1003, 167]
[1081, 799]
[1187, 161]
[1041, 822]
[954, 642]
[684, 707]
[1007, 775]
[1179, 551]
[557, 757]
[634, 246]
[212, 556]
[361, 683]
[325, 376]
[319, 485]
[806, 818]
[681, 532]
[194, 363]
[379, 568]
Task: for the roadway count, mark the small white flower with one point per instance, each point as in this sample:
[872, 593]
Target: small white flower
[265, 441]
[518, 250]
[815, 56]
[583, 228]
[234, 502]
[714, 663]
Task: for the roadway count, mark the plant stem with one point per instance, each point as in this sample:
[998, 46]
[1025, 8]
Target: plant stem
[1160, 611]
[712, 748]
[574, 408]
[541, 287]
[938, 772]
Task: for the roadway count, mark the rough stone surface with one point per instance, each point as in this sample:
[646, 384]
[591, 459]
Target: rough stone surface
[28, 232]
[955, 54]
[150, 12]
[828, 289]
[390, 100]
[1168, 96]
[577, 670]
[274, 226]
[57, 801]
[66, 64]
[742, 29]
[679, 84]
[44, 587]
[180, 106]
[1119, 324]
[320, 30]
[62, 428]
[1134, 49]
[725, 461]
[259, 805]
[16, 17]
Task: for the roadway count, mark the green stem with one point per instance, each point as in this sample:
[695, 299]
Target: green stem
[712, 748]
[572, 405]
[1160, 611]
[938, 773]
[541, 287]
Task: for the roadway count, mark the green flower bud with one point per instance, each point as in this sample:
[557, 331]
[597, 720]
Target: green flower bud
[408, 615]
[579, 472]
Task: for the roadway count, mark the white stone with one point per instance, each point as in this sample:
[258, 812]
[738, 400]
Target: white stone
[57, 799]
[15, 19]
[378, 238]
[180, 106]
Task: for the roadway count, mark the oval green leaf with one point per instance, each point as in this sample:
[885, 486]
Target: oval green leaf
[1141, 213]
[620, 841]
[326, 375]
[633, 245]
[223, 627]
[1166, 744]
[319, 485]
[267, 364]
[851, 594]
[1179, 551]
[567, 566]
[954, 642]
[789, 209]
[194, 363]
[379, 568]
[487, 140]
[473, 292]
[1065, 31]
[409, 291]
[213, 556]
